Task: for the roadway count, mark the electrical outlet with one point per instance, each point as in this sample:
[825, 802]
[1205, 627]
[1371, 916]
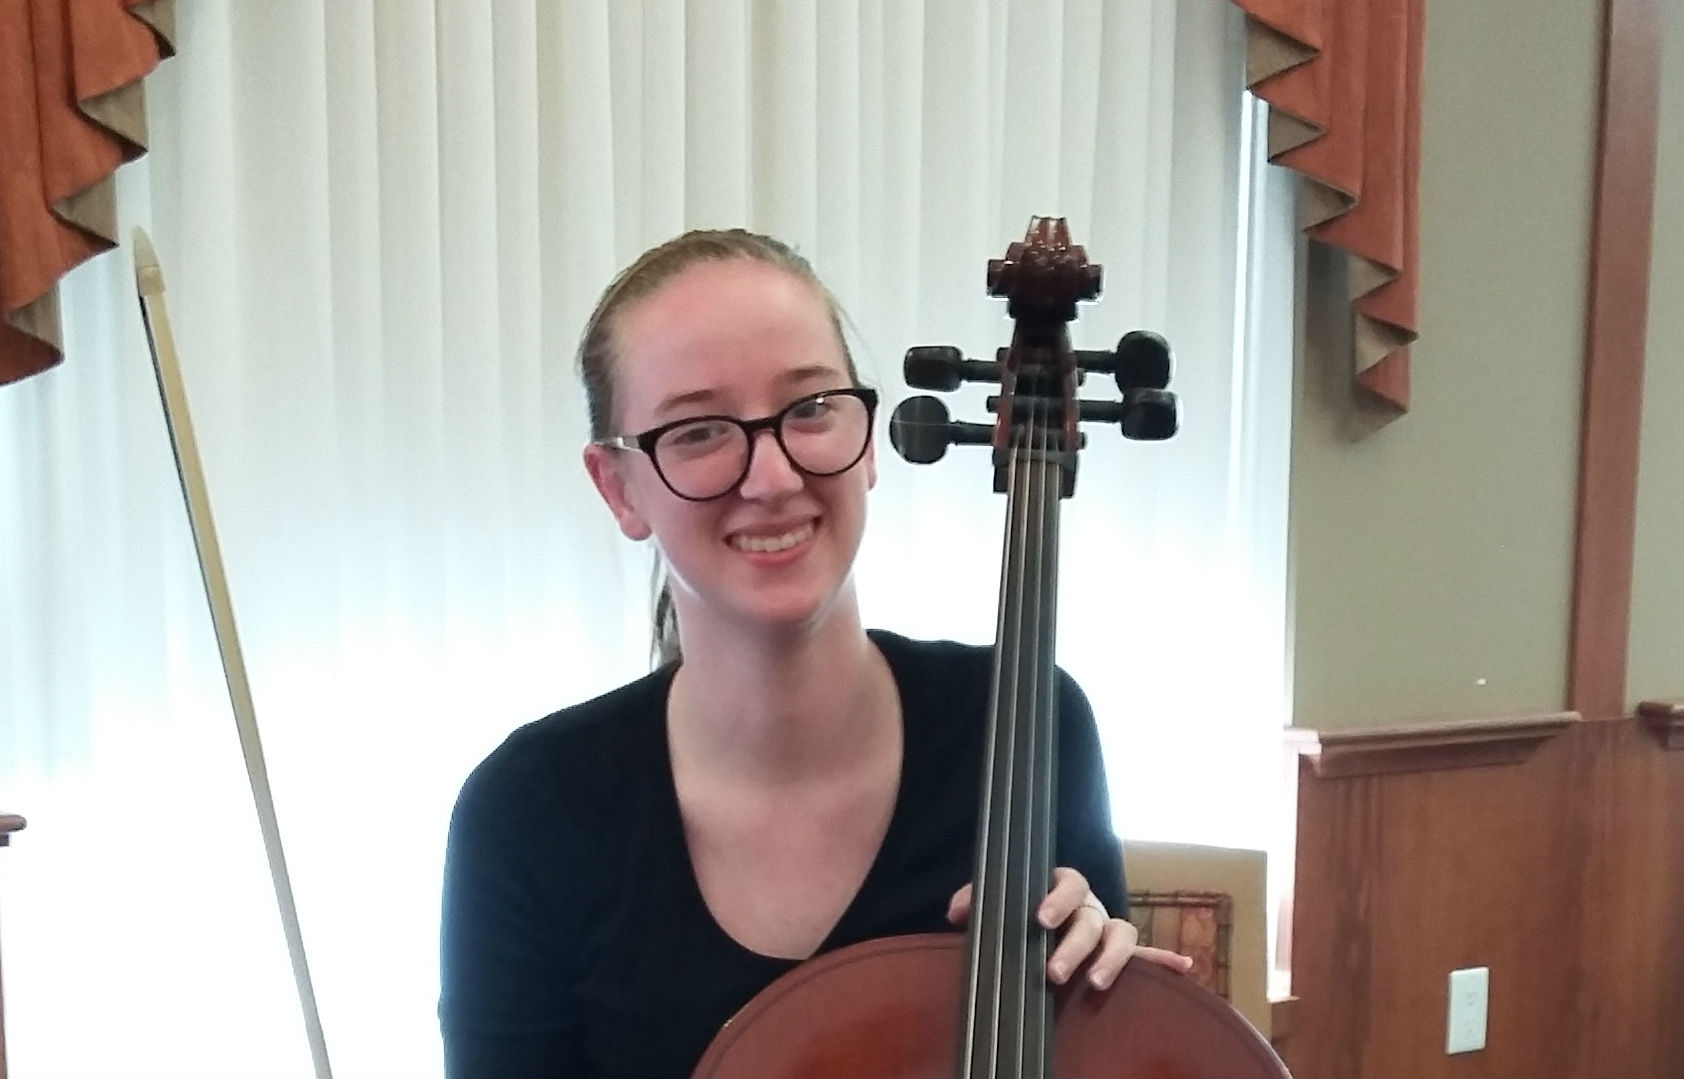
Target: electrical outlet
[1465, 1028]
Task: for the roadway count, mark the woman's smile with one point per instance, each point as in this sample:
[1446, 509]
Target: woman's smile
[789, 541]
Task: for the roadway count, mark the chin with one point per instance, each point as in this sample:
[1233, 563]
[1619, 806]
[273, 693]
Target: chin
[789, 617]
[796, 612]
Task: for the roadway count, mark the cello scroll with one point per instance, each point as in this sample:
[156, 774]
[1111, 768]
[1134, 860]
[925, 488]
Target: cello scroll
[1042, 278]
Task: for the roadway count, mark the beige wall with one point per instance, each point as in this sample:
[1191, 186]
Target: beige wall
[1431, 559]
[1655, 668]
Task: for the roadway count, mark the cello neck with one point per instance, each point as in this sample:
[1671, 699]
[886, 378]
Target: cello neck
[1007, 1025]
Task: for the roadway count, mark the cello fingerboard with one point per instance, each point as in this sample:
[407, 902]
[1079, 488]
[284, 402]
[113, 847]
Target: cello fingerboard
[1008, 1025]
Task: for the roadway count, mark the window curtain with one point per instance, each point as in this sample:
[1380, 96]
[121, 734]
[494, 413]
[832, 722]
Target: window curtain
[382, 224]
[72, 109]
[1343, 81]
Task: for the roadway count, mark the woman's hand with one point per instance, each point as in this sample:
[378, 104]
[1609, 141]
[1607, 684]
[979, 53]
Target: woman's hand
[1088, 931]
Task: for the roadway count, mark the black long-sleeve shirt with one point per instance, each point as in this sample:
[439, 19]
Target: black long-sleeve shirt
[572, 914]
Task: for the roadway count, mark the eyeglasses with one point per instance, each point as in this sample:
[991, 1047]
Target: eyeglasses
[701, 458]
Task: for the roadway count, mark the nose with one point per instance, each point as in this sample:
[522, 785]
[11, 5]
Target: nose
[771, 474]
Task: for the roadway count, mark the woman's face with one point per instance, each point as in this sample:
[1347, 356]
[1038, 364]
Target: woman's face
[736, 338]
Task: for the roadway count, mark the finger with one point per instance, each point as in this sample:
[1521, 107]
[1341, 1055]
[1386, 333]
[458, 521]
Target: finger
[1117, 944]
[1069, 891]
[1175, 961]
[1082, 933]
[959, 907]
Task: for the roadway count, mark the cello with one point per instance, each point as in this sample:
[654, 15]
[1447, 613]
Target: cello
[978, 1004]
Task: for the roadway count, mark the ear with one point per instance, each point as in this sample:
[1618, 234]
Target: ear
[871, 464]
[604, 466]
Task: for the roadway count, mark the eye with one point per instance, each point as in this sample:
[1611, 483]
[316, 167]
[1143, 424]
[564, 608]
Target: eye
[812, 411]
[698, 437]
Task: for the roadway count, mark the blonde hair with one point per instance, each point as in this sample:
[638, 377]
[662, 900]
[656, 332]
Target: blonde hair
[643, 278]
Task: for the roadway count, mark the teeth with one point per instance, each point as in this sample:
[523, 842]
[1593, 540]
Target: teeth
[772, 543]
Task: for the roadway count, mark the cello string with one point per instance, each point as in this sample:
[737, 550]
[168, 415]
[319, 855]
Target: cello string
[1034, 1060]
[1020, 977]
[1023, 750]
[981, 1040]
[1023, 1026]
[1044, 766]
[1013, 915]
[1023, 745]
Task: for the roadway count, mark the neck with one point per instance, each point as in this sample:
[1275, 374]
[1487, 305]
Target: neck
[782, 707]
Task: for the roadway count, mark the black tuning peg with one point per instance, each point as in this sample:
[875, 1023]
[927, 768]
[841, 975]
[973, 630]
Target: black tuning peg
[1149, 415]
[918, 429]
[921, 429]
[1142, 361]
[943, 367]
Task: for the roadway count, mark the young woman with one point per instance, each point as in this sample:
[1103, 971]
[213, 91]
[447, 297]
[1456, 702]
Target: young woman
[625, 874]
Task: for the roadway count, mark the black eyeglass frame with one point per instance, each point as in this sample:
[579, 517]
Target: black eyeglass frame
[644, 442]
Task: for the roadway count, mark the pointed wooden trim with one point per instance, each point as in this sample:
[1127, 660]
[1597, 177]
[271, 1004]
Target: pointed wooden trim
[1343, 84]
[1388, 380]
[79, 115]
[1665, 720]
[1617, 319]
[1462, 743]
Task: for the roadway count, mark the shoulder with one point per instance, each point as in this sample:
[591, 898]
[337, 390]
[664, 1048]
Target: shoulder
[941, 683]
[571, 754]
[950, 666]
[909, 658]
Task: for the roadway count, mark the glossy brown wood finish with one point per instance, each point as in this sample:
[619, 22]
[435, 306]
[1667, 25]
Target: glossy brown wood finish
[885, 1008]
[1468, 743]
[1616, 331]
[1665, 720]
[1563, 873]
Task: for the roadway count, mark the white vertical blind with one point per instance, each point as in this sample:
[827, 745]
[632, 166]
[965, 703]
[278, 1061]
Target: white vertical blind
[382, 224]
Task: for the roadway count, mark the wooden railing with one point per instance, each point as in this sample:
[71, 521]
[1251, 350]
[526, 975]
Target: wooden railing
[1548, 849]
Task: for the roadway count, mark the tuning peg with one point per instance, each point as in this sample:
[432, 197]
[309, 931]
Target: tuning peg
[943, 367]
[918, 429]
[921, 429]
[1149, 415]
[1142, 361]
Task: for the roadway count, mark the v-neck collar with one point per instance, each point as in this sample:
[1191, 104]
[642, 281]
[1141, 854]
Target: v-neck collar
[895, 654]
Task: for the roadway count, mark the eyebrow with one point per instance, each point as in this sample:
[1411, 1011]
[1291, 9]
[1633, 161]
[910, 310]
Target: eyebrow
[793, 377]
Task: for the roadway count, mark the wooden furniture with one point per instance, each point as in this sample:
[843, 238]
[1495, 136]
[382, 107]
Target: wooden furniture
[1194, 923]
[9, 823]
[1168, 888]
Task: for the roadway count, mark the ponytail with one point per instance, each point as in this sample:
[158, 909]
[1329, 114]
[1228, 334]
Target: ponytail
[663, 641]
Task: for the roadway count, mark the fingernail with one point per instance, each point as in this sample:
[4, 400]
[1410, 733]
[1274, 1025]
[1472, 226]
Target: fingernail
[1098, 980]
[1046, 918]
[1059, 973]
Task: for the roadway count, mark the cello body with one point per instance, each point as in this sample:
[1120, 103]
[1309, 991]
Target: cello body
[891, 1008]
